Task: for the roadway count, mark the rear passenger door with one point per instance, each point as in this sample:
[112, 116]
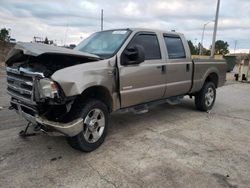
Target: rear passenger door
[179, 67]
[146, 81]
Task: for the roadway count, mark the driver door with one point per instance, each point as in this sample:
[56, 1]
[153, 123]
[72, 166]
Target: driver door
[144, 82]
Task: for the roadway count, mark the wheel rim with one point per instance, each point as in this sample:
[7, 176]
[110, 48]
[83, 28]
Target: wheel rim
[94, 124]
[209, 97]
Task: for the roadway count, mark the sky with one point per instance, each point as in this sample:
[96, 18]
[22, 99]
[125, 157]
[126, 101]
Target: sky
[70, 21]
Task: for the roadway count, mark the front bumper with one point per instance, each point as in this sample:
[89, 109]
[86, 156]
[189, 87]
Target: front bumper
[68, 129]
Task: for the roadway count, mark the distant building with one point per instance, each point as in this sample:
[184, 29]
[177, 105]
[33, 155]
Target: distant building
[42, 40]
[13, 41]
[240, 57]
[71, 46]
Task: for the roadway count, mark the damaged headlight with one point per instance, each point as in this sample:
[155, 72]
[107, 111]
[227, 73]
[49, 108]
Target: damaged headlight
[48, 88]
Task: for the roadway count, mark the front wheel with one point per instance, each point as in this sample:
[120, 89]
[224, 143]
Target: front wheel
[95, 124]
[205, 98]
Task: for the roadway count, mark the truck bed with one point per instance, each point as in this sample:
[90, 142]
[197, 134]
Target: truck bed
[203, 67]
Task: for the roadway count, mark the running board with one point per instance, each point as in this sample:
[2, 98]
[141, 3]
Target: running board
[144, 108]
[140, 109]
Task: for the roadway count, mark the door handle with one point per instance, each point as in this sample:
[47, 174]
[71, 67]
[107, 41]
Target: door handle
[187, 67]
[162, 67]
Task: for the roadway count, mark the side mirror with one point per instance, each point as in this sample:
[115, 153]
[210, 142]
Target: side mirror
[134, 55]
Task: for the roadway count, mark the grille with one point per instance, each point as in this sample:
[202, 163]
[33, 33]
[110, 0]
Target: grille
[20, 86]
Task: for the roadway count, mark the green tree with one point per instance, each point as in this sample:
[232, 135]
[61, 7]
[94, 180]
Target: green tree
[4, 35]
[192, 47]
[221, 47]
[46, 41]
[206, 52]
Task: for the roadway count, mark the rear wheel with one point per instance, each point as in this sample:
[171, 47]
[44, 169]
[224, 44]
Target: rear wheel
[205, 98]
[95, 124]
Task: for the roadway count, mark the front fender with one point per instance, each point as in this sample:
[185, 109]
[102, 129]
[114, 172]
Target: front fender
[75, 79]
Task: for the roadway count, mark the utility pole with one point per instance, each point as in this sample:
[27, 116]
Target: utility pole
[215, 28]
[66, 33]
[101, 19]
[235, 45]
[202, 37]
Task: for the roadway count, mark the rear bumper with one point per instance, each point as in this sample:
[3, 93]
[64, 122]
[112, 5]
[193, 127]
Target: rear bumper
[68, 129]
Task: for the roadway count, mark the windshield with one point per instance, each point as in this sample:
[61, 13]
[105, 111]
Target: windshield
[105, 43]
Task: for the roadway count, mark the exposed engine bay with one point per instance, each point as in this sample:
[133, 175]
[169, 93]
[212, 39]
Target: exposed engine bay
[29, 68]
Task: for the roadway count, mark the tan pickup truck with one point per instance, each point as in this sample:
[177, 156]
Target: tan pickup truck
[73, 91]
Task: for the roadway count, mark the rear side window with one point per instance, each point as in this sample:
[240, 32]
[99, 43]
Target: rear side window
[150, 44]
[175, 47]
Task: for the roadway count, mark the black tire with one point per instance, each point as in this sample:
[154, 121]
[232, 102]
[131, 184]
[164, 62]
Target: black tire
[83, 110]
[202, 102]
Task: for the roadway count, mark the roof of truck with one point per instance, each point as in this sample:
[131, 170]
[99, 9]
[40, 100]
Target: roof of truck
[154, 30]
[147, 30]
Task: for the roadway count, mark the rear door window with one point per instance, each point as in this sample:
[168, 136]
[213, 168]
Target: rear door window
[175, 47]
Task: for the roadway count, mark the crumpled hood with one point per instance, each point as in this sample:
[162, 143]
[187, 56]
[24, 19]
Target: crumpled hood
[37, 49]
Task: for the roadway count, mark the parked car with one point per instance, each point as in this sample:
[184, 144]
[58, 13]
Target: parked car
[74, 91]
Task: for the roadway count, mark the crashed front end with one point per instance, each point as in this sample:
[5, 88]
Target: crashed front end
[35, 96]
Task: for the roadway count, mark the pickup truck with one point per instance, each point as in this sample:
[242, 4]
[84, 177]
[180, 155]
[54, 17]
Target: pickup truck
[73, 92]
